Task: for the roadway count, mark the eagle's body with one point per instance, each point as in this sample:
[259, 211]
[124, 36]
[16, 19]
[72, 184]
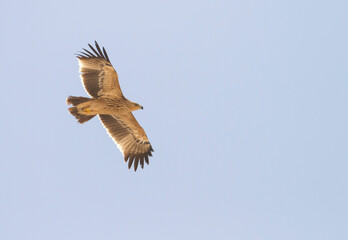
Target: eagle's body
[104, 105]
[114, 110]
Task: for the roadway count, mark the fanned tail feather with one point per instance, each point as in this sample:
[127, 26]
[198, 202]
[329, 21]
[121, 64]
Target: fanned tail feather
[81, 118]
[76, 100]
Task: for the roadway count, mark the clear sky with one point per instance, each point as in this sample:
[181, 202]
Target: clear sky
[245, 103]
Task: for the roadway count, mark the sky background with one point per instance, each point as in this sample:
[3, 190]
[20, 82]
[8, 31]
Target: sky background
[245, 103]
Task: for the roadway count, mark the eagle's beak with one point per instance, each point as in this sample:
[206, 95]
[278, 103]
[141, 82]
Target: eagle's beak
[141, 107]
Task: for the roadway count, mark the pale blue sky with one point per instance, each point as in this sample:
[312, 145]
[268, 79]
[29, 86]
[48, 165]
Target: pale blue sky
[245, 104]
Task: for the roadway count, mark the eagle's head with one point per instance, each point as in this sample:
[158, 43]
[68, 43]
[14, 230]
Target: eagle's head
[132, 106]
[138, 106]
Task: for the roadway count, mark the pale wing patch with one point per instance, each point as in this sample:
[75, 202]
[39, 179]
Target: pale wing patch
[90, 63]
[109, 85]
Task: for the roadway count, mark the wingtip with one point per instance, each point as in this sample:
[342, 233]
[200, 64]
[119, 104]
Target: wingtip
[95, 52]
[136, 163]
[130, 161]
[96, 44]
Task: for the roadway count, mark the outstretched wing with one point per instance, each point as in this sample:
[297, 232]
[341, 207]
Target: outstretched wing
[130, 138]
[97, 73]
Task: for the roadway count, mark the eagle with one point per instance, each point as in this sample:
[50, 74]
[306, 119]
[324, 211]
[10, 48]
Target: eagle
[100, 81]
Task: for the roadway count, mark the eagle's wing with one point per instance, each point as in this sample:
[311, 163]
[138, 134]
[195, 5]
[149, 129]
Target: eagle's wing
[130, 138]
[97, 73]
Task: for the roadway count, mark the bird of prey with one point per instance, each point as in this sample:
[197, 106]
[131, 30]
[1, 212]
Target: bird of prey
[100, 81]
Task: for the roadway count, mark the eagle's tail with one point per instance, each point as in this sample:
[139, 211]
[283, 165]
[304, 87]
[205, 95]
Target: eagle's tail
[81, 118]
[76, 100]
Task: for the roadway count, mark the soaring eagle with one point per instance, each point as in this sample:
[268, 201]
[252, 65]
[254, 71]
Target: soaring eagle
[100, 80]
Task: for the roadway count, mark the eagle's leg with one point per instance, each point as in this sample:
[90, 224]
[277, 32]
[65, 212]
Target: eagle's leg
[76, 101]
[86, 110]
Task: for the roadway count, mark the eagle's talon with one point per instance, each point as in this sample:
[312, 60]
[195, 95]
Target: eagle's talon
[86, 109]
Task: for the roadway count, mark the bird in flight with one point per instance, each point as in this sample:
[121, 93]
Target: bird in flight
[100, 81]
